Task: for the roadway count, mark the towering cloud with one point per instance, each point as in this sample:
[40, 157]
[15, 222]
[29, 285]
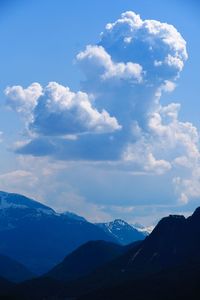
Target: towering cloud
[118, 116]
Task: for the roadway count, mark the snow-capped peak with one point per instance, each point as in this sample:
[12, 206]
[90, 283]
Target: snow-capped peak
[11, 200]
[120, 222]
[117, 224]
[146, 230]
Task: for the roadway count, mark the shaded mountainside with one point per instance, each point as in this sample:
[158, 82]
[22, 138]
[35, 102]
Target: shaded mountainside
[13, 271]
[38, 237]
[49, 285]
[173, 242]
[86, 259]
[178, 283]
[122, 231]
[5, 288]
[166, 265]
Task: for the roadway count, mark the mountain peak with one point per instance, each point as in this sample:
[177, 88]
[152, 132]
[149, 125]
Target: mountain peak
[123, 232]
[169, 222]
[120, 222]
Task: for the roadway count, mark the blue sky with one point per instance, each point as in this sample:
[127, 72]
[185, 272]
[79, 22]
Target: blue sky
[115, 143]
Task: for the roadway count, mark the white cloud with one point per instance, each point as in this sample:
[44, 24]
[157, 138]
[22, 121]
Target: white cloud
[57, 111]
[96, 62]
[150, 43]
[140, 156]
[23, 100]
[118, 116]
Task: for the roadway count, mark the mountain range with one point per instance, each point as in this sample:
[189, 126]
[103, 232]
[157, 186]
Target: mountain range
[165, 265]
[37, 237]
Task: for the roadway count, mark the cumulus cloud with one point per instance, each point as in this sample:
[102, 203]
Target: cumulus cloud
[57, 111]
[140, 156]
[23, 100]
[96, 62]
[152, 44]
[118, 115]
[122, 85]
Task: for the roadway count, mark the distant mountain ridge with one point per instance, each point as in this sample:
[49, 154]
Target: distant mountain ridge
[74, 216]
[146, 230]
[122, 231]
[12, 200]
[36, 236]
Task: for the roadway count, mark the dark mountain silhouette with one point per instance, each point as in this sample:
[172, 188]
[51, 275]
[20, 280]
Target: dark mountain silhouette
[38, 237]
[62, 285]
[13, 271]
[122, 231]
[5, 288]
[173, 242]
[167, 264]
[86, 259]
[178, 283]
